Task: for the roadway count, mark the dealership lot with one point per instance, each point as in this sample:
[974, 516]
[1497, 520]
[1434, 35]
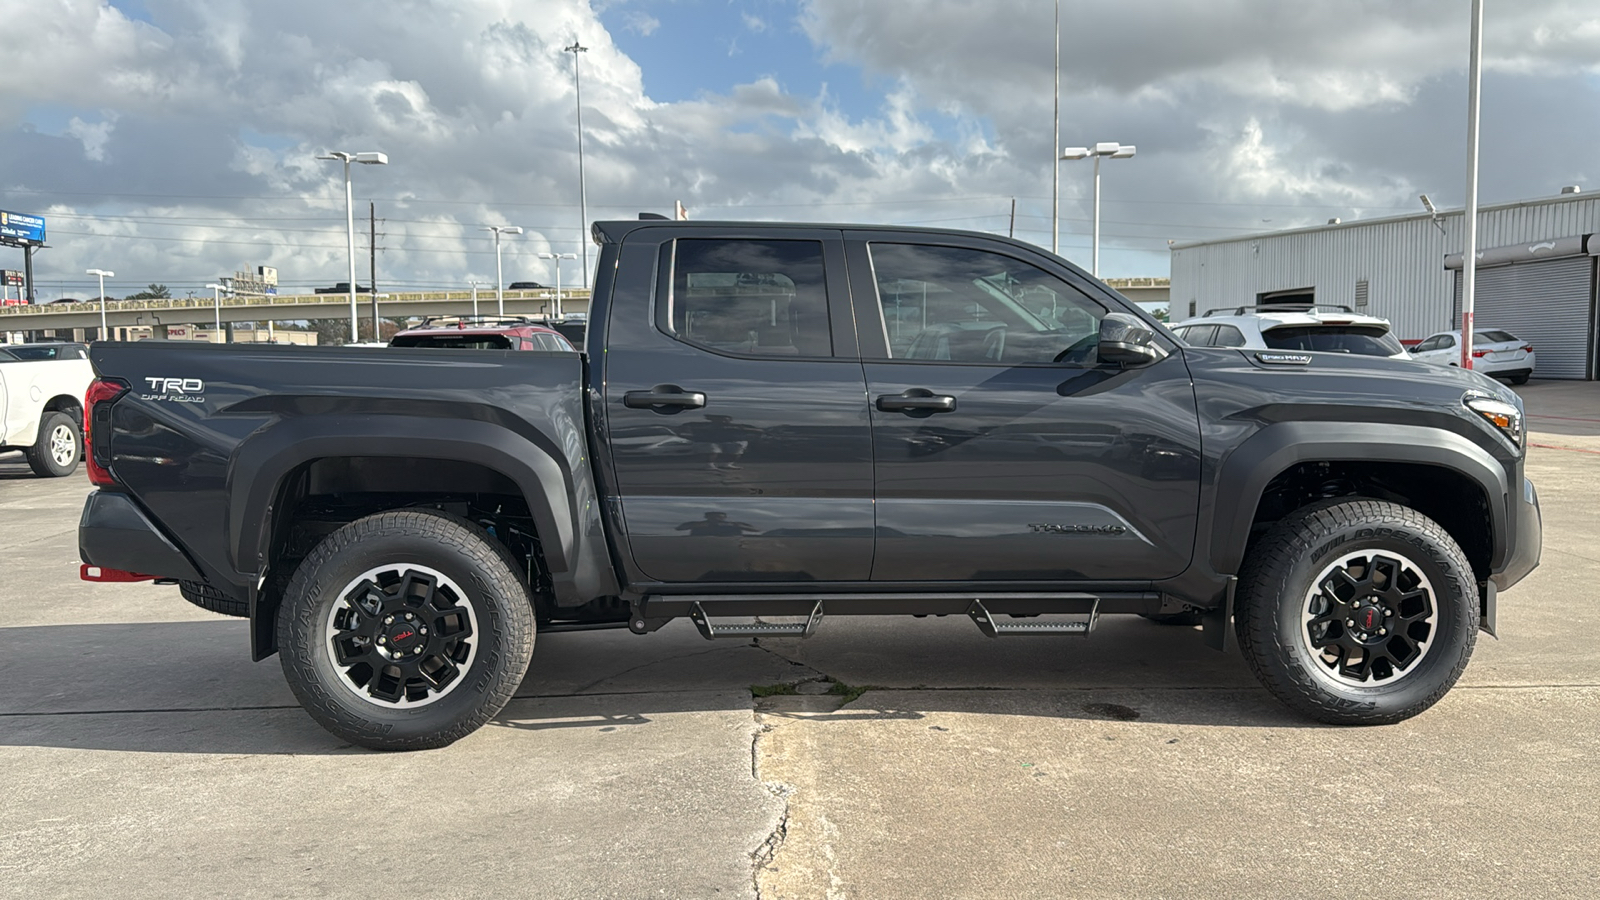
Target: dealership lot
[145, 753]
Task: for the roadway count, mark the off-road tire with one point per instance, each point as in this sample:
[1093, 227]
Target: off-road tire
[43, 455]
[1273, 596]
[210, 599]
[484, 570]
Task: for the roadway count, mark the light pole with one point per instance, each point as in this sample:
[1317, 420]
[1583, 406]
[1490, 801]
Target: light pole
[558, 257]
[1469, 259]
[499, 275]
[104, 274]
[216, 305]
[474, 296]
[1055, 144]
[583, 200]
[368, 158]
[1102, 149]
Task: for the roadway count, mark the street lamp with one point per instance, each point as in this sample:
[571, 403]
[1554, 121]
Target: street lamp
[558, 257]
[583, 201]
[1102, 149]
[104, 274]
[474, 296]
[499, 275]
[369, 158]
[216, 305]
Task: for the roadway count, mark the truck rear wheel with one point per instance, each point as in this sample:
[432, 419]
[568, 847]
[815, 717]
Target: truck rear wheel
[405, 630]
[55, 452]
[1357, 612]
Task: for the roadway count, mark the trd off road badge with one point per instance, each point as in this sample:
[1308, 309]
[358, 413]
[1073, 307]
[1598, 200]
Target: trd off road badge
[175, 390]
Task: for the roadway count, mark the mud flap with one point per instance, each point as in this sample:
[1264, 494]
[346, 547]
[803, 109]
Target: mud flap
[1217, 624]
[1487, 592]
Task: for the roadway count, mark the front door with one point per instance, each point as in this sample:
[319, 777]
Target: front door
[736, 417]
[1003, 449]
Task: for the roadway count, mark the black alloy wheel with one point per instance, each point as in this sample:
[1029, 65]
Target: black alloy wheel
[406, 630]
[1357, 612]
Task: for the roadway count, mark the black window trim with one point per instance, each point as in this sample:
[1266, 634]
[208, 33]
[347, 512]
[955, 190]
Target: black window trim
[666, 278]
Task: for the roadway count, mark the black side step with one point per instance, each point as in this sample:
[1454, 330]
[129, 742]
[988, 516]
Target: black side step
[987, 624]
[697, 614]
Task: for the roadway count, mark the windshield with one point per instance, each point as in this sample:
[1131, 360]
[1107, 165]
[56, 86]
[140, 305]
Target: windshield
[1362, 340]
[450, 341]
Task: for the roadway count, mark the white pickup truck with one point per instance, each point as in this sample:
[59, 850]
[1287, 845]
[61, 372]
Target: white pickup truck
[41, 404]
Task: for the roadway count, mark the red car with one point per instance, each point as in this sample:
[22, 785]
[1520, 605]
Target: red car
[482, 333]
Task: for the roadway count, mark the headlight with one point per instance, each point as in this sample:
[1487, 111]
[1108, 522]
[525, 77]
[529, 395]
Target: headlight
[1498, 413]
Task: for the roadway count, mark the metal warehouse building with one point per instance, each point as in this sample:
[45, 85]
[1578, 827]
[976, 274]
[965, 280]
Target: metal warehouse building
[1536, 274]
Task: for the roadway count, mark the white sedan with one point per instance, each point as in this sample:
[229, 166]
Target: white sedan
[1495, 352]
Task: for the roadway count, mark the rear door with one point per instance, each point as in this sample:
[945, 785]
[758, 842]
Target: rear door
[1003, 449]
[735, 408]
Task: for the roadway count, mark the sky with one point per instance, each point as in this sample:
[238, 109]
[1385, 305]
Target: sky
[175, 141]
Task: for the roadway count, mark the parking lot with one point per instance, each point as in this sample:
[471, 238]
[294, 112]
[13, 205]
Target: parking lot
[145, 754]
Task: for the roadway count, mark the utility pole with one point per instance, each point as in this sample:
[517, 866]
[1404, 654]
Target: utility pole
[1011, 231]
[1055, 151]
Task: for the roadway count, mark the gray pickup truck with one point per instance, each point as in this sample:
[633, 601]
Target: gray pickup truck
[792, 421]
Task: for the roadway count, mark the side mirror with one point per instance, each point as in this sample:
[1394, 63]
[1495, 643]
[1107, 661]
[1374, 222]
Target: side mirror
[1126, 340]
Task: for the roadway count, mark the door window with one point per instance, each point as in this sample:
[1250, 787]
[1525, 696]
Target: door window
[1228, 336]
[952, 304]
[750, 297]
[1201, 335]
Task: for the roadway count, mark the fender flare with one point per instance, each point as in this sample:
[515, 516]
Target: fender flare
[1245, 473]
[266, 458]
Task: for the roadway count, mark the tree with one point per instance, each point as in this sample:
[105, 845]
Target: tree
[153, 292]
[331, 332]
[1161, 314]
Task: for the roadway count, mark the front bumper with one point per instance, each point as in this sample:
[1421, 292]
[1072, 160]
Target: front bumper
[115, 534]
[1528, 537]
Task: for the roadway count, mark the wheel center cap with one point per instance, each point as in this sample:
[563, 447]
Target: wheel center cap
[403, 636]
[1368, 619]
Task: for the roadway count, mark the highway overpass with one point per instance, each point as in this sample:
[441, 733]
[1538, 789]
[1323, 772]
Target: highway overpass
[202, 311]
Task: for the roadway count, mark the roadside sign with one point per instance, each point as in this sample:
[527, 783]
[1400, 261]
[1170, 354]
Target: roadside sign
[12, 277]
[20, 228]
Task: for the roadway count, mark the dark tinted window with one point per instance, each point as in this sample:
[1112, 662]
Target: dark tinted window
[1201, 335]
[951, 303]
[448, 341]
[1495, 337]
[1228, 336]
[1362, 340]
[761, 298]
[54, 351]
[1446, 340]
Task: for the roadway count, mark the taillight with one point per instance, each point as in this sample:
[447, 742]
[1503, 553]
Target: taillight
[1479, 354]
[97, 415]
[1527, 348]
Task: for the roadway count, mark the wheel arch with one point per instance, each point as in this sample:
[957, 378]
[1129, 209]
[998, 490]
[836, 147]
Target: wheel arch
[1277, 450]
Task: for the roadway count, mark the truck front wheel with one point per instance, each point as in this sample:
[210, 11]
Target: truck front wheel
[1357, 612]
[405, 630]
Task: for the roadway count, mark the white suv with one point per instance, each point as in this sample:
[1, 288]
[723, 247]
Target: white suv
[1333, 329]
[1495, 352]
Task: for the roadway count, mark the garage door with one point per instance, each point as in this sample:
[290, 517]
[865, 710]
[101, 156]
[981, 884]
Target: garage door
[1549, 304]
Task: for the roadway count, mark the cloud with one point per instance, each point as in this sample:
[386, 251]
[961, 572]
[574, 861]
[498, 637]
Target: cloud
[180, 150]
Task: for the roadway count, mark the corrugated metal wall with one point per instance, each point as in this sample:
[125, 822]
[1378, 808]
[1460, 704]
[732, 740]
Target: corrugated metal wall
[1401, 259]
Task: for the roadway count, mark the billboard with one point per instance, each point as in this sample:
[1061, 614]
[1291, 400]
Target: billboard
[11, 277]
[19, 228]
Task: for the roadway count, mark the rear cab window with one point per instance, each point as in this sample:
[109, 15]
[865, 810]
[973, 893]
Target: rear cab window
[448, 341]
